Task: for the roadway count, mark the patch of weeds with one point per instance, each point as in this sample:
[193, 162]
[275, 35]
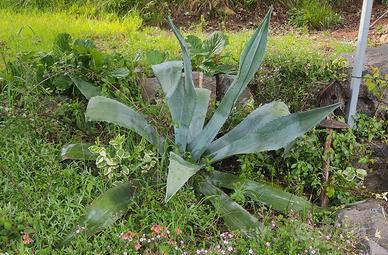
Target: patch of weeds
[371, 128]
[314, 15]
[300, 170]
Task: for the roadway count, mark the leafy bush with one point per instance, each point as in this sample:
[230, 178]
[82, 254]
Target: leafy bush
[269, 127]
[371, 128]
[314, 15]
[71, 64]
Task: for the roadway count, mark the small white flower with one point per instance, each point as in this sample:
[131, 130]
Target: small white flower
[250, 251]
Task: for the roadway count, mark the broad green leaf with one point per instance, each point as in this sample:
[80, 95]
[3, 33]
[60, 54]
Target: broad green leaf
[249, 63]
[276, 134]
[199, 116]
[234, 215]
[62, 43]
[154, 57]
[215, 43]
[86, 88]
[195, 45]
[252, 123]
[120, 73]
[105, 109]
[187, 93]
[179, 172]
[79, 151]
[104, 211]
[262, 192]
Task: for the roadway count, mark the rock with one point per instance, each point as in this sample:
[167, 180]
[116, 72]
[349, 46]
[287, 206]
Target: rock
[152, 90]
[367, 221]
[377, 56]
[224, 82]
[377, 181]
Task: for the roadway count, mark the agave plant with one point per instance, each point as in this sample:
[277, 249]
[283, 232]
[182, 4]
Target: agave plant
[269, 127]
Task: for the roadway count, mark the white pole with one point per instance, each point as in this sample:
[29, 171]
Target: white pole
[359, 59]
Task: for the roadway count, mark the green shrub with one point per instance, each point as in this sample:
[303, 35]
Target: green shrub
[314, 15]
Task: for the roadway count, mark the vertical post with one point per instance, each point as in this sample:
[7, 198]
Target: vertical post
[359, 59]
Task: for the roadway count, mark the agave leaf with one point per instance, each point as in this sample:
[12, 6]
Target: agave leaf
[249, 63]
[276, 134]
[79, 151]
[215, 43]
[187, 91]
[87, 89]
[199, 116]
[105, 109]
[234, 215]
[252, 123]
[104, 211]
[169, 75]
[179, 172]
[262, 192]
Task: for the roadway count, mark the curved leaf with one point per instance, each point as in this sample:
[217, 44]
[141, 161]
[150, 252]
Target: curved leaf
[199, 116]
[87, 89]
[104, 211]
[105, 109]
[276, 134]
[79, 151]
[252, 123]
[262, 192]
[250, 61]
[179, 172]
[187, 93]
[120, 73]
[234, 215]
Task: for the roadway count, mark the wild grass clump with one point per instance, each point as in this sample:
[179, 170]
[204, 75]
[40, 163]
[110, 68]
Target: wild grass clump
[314, 15]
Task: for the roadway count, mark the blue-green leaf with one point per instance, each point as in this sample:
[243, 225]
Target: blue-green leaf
[105, 109]
[276, 134]
[252, 123]
[199, 116]
[87, 89]
[250, 61]
[263, 192]
[187, 93]
[179, 172]
[234, 215]
[104, 211]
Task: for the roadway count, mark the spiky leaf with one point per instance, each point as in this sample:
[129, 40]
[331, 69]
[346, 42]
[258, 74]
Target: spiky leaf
[199, 116]
[104, 211]
[87, 89]
[252, 123]
[105, 109]
[263, 192]
[250, 61]
[179, 172]
[234, 215]
[187, 93]
[276, 134]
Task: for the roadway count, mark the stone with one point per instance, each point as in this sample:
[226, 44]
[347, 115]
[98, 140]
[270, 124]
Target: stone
[377, 181]
[152, 90]
[367, 221]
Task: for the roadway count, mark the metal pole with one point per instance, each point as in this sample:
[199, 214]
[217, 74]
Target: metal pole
[359, 60]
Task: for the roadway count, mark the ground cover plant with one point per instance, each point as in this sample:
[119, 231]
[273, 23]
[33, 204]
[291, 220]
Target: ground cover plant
[188, 108]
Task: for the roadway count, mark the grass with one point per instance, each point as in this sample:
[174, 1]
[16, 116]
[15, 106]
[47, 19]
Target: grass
[44, 197]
